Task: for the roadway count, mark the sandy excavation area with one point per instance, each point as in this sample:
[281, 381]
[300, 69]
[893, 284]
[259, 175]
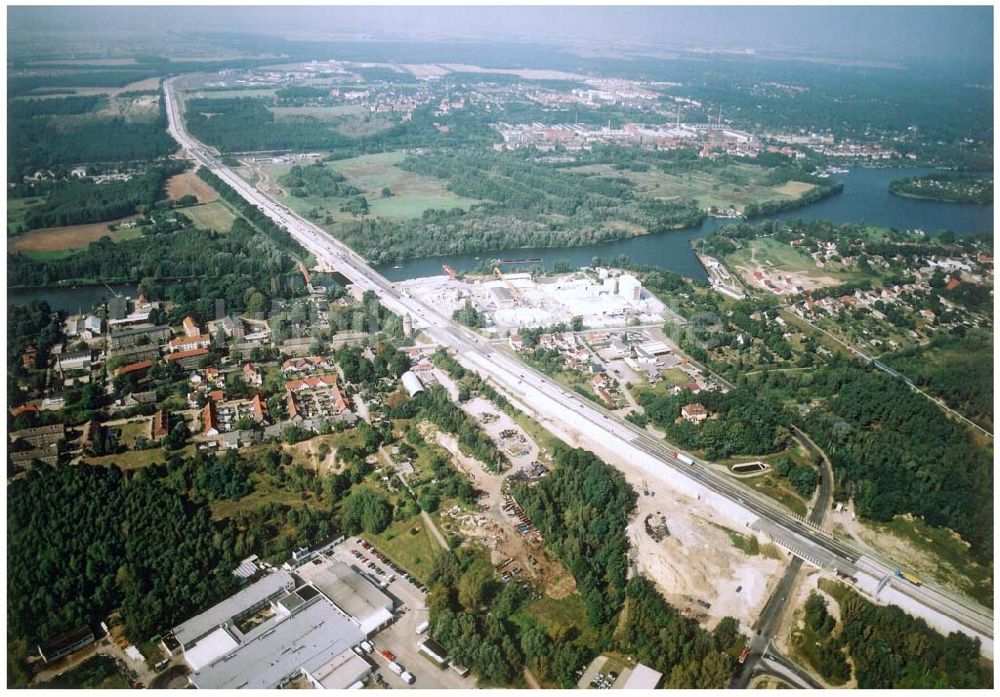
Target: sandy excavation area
[190, 183]
[696, 560]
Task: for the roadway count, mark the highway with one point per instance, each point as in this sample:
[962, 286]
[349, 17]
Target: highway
[593, 424]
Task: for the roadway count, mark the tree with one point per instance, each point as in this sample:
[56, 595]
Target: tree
[366, 510]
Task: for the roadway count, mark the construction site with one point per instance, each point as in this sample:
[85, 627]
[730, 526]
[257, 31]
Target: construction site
[513, 300]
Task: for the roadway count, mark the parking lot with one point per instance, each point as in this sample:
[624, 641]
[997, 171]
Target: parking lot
[400, 638]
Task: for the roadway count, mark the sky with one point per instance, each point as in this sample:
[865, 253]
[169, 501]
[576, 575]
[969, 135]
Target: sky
[895, 33]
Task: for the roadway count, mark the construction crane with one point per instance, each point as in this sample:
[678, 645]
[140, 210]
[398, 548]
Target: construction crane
[498, 274]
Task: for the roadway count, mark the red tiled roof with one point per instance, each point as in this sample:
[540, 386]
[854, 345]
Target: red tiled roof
[186, 354]
[209, 418]
[133, 367]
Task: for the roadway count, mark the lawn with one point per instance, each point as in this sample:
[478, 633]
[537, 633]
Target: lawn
[265, 491]
[674, 377]
[132, 430]
[410, 545]
[98, 672]
[215, 216]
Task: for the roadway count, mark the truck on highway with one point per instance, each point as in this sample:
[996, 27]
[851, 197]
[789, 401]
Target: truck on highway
[684, 458]
[906, 576]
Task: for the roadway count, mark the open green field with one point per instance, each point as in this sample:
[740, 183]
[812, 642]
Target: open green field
[16, 210]
[410, 544]
[228, 94]
[674, 377]
[132, 430]
[265, 491]
[412, 194]
[731, 184]
[134, 459]
[557, 616]
[211, 216]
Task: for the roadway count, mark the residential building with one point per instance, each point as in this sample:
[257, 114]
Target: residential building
[694, 413]
[190, 327]
[189, 343]
[210, 419]
[139, 336]
[187, 359]
[161, 424]
[54, 648]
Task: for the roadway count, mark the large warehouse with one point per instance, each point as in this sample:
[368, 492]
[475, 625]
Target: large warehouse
[349, 591]
[283, 626]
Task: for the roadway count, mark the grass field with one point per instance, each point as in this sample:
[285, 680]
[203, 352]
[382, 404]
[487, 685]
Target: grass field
[774, 258]
[412, 194]
[134, 459]
[734, 184]
[410, 544]
[211, 216]
[228, 94]
[17, 208]
[189, 183]
[134, 429]
[42, 243]
[674, 377]
[557, 617]
[265, 491]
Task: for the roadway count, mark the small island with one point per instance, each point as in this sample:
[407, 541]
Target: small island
[946, 187]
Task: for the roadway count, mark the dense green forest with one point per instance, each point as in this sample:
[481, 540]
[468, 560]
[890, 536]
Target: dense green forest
[689, 656]
[893, 451]
[957, 369]
[75, 201]
[83, 540]
[744, 423]
[582, 509]
[243, 267]
[27, 108]
[890, 649]
[316, 180]
[38, 140]
[947, 187]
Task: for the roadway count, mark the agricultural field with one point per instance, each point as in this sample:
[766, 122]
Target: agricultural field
[211, 216]
[730, 185]
[59, 242]
[190, 184]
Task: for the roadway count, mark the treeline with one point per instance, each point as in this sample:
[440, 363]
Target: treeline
[31, 324]
[817, 193]
[40, 142]
[964, 380]
[246, 124]
[241, 267]
[27, 108]
[279, 235]
[660, 637]
[317, 180]
[76, 201]
[582, 509]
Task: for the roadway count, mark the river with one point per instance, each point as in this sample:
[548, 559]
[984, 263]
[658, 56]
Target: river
[865, 198]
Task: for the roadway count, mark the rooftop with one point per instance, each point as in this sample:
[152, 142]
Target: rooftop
[349, 591]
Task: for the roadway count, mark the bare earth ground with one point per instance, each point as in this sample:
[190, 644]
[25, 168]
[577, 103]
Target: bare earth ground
[54, 239]
[190, 183]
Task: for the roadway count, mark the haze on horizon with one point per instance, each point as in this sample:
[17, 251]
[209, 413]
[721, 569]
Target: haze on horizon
[918, 34]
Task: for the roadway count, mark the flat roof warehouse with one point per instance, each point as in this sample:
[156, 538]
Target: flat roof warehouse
[294, 621]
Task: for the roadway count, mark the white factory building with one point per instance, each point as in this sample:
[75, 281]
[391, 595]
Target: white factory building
[304, 621]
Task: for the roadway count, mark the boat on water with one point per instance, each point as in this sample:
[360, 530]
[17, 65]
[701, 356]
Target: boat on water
[397, 266]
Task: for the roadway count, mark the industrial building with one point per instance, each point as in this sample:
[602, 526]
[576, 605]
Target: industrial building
[303, 620]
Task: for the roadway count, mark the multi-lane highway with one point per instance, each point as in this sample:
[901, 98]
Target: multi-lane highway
[592, 424]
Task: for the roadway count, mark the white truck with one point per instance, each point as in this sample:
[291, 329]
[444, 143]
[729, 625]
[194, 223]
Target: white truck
[684, 458]
[396, 668]
[406, 677]
[422, 627]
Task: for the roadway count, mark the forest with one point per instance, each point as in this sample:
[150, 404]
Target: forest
[893, 650]
[947, 187]
[84, 540]
[743, 423]
[582, 509]
[894, 451]
[242, 267]
[38, 140]
[74, 201]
